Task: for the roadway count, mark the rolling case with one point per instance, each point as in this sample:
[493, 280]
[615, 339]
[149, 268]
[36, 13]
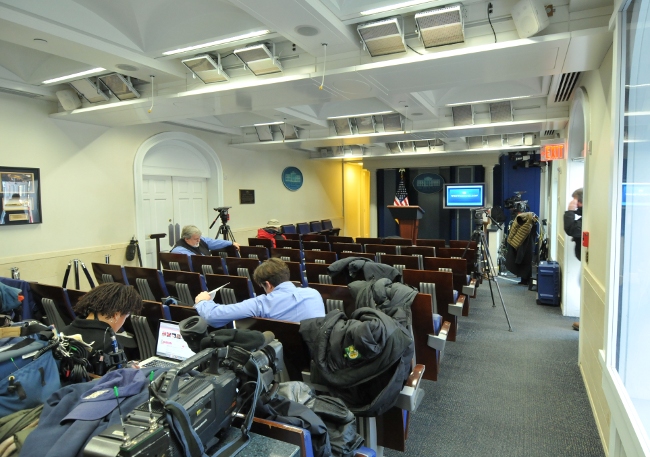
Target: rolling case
[548, 283]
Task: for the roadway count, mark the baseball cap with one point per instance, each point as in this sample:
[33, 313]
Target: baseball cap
[100, 400]
[273, 223]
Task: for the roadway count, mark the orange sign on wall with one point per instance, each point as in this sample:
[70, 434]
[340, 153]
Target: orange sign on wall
[552, 151]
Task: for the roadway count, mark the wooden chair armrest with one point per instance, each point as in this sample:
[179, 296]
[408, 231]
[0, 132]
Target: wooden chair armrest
[411, 395]
[438, 341]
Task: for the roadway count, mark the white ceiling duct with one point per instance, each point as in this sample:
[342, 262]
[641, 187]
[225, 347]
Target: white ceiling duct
[342, 126]
[120, 86]
[441, 26]
[501, 112]
[392, 122]
[365, 124]
[89, 90]
[206, 69]
[259, 59]
[382, 37]
[463, 115]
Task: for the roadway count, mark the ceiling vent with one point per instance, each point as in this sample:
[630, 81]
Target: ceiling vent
[120, 86]
[421, 146]
[342, 126]
[392, 122]
[382, 37]
[549, 132]
[89, 89]
[463, 115]
[259, 59]
[365, 124]
[501, 112]
[394, 148]
[562, 86]
[441, 26]
[206, 69]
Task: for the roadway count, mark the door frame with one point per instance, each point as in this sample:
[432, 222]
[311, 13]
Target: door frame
[214, 182]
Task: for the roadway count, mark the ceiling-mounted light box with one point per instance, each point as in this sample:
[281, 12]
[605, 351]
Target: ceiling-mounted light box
[207, 69]
[259, 59]
[382, 37]
[441, 26]
[89, 89]
[120, 86]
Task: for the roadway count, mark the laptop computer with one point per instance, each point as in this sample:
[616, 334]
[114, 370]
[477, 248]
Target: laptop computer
[171, 348]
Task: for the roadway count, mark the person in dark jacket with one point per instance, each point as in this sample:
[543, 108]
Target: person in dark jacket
[193, 243]
[102, 312]
[573, 227]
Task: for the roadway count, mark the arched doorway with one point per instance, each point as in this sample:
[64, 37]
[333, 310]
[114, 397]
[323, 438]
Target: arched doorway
[578, 139]
[177, 178]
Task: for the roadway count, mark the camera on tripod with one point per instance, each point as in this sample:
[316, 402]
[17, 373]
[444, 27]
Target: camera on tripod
[187, 409]
[223, 213]
[516, 203]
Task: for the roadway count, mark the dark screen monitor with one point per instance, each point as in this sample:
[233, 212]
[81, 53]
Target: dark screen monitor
[463, 196]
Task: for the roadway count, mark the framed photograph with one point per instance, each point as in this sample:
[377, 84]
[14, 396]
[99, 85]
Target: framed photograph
[20, 196]
[246, 196]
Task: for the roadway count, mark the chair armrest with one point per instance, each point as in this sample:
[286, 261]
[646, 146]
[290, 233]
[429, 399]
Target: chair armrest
[470, 289]
[438, 341]
[411, 395]
[456, 309]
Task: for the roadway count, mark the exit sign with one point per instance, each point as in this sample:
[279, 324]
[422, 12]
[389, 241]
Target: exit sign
[552, 151]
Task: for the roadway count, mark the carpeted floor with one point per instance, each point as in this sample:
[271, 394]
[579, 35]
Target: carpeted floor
[504, 393]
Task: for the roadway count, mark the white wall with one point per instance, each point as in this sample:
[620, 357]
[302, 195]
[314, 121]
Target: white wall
[88, 187]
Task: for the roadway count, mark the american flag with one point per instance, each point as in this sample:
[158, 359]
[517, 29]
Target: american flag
[401, 197]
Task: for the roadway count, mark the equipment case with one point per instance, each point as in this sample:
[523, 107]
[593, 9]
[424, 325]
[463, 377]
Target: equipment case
[548, 283]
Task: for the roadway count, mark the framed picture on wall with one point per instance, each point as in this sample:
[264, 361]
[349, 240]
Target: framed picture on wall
[20, 196]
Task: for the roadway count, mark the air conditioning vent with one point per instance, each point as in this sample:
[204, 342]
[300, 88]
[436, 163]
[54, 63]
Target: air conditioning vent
[392, 122]
[566, 86]
[549, 132]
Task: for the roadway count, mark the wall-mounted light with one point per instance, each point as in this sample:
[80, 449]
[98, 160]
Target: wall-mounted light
[206, 69]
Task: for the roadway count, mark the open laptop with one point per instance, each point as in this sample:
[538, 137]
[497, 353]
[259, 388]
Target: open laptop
[171, 348]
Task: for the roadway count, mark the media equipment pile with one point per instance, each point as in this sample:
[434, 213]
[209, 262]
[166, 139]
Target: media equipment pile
[484, 267]
[191, 412]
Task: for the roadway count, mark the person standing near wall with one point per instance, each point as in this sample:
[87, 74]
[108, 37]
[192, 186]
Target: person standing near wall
[573, 227]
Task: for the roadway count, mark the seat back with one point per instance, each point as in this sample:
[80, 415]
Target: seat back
[149, 279]
[424, 325]
[292, 236]
[335, 293]
[468, 254]
[288, 229]
[116, 273]
[229, 251]
[407, 261]
[288, 244]
[241, 287]
[432, 243]
[340, 239]
[397, 241]
[349, 247]
[463, 244]
[172, 261]
[143, 336]
[303, 228]
[327, 225]
[383, 248]
[322, 238]
[296, 273]
[363, 241]
[444, 292]
[424, 251]
[254, 252]
[326, 257]
[239, 267]
[316, 226]
[54, 302]
[318, 273]
[260, 242]
[315, 245]
[365, 255]
[288, 255]
[74, 296]
[285, 433]
[179, 313]
[458, 268]
[183, 285]
[209, 264]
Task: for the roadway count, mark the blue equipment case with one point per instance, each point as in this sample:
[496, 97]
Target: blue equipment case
[548, 283]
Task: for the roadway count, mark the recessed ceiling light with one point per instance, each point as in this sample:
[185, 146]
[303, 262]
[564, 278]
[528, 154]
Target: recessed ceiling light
[307, 30]
[396, 6]
[218, 42]
[75, 75]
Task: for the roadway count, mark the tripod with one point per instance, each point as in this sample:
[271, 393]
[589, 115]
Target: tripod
[224, 230]
[485, 264]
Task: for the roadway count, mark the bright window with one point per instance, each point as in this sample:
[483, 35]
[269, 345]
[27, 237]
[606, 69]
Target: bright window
[633, 360]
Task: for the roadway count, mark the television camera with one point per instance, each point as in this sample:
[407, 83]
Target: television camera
[190, 412]
[224, 228]
[516, 203]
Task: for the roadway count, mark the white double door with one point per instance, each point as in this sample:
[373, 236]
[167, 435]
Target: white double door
[169, 203]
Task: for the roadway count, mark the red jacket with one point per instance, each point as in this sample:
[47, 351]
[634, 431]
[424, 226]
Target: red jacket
[270, 234]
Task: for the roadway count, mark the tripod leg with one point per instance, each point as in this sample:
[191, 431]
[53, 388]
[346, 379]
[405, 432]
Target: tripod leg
[491, 277]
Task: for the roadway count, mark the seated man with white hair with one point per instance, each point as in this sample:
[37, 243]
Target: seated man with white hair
[192, 243]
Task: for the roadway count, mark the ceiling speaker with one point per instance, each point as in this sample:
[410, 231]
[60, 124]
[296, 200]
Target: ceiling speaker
[530, 17]
[69, 99]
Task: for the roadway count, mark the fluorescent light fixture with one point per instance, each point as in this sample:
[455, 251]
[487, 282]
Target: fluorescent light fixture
[89, 90]
[365, 124]
[396, 6]
[264, 132]
[378, 113]
[218, 42]
[206, 69]
[259, 59]
[492, 100]
[638, 113]
[342, 126]
[266, 123]
[441, 26]
[75, 75]
[382, 37]
[392, 122]
[120, 86]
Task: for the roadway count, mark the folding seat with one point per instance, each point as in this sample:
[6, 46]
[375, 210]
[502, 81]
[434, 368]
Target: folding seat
[173, 261]
[327, 225]
[108, 272]
[254, 252]
[148, 282]
[209, 264]
[184, 285]
[236, 288]
[326, 257]
[432, 243]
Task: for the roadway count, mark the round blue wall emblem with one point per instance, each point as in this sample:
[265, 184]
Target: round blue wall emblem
[428, 183]
[292, 178]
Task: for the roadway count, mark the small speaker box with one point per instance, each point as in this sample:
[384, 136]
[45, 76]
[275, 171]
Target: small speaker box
[69, 99]
[530, 17]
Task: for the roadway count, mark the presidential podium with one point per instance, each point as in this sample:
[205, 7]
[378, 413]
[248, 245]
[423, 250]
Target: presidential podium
[408, 218]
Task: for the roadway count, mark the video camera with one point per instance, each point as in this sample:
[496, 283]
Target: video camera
[516, 203]
[192, 411]
[223, 213]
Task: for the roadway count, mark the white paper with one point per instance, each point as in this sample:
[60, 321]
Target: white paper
[213, 293]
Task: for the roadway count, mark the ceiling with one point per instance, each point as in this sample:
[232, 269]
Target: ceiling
[42, 39]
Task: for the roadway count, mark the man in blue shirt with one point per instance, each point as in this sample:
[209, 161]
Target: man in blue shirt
[192, 243]
[282, 301]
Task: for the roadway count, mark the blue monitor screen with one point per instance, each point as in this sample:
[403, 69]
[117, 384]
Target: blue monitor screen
[457, 196]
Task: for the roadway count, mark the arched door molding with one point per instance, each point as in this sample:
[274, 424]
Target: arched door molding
[187, 144]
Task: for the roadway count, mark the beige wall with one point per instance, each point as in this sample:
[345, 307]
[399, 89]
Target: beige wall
[88, 188]
[598, 208]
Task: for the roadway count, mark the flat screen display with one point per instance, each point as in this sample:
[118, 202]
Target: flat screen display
[462, 196]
